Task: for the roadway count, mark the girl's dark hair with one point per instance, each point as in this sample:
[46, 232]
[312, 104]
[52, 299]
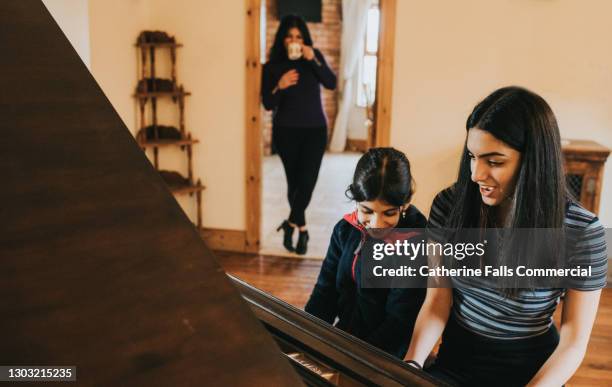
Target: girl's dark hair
[524, 121]
[278, 52]
[384, 174]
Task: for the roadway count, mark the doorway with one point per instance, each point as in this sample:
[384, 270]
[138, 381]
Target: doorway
[265, 176]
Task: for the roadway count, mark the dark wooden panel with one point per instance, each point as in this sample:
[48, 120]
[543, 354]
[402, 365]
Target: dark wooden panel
[100, 268]
[333, 351]
[584, 166]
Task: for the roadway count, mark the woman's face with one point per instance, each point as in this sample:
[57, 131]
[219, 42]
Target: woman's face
[378, 215]
[293, 36]
[494, 166]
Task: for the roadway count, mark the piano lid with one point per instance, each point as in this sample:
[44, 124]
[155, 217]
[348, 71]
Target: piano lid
[100, 268]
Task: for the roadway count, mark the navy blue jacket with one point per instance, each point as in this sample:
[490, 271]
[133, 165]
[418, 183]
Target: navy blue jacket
[298, 106]
[382, 317]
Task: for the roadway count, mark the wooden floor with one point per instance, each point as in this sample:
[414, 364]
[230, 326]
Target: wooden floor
[292, 279]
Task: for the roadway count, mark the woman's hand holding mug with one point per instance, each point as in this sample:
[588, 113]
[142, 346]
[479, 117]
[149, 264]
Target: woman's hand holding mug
[308, 52]
[288, 79]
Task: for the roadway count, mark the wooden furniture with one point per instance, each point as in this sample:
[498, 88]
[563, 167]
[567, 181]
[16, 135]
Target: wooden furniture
[148, 90]
[324, 355]
[100, 269]
[584, 165]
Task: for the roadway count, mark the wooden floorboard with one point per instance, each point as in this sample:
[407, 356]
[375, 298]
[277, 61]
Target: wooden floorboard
[292, 279]
[289, 279]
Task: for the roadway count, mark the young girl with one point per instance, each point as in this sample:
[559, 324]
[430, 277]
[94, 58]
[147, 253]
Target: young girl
[511, 176]
[382, 188]
[291, 88]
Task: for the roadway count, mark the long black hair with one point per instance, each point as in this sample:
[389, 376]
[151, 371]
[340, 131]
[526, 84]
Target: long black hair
[525, 122]
[278, 52]
[383, 174]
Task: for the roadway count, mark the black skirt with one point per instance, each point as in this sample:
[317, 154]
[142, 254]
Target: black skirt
[469, 359]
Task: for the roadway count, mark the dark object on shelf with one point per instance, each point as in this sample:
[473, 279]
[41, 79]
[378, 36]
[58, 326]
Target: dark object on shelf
[174, 179]
[154, 136]
[163, 133]
[155, 37]
[584, 161]
[155, 84]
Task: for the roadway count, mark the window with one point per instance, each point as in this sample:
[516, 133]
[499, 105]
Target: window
[366, 89]
[263, 55]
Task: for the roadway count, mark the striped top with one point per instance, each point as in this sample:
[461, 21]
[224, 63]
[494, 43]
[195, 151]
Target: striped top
[487, 312]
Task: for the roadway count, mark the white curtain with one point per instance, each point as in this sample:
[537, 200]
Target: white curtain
[354, 18]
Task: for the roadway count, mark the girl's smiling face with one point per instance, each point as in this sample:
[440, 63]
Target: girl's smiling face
[494, 166]
[378, 216]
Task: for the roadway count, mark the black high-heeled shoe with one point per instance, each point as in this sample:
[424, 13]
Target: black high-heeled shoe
[302, 243]
[287, 234]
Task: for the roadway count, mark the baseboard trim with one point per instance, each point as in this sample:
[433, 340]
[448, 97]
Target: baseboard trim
[356, 145]
[225, 240]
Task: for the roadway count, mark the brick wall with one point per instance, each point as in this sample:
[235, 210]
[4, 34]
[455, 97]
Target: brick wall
[325, 37]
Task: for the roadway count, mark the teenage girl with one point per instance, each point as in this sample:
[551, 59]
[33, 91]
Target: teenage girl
[511, 176]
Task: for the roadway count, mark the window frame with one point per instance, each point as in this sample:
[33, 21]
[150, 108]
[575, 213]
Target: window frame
[361, 99]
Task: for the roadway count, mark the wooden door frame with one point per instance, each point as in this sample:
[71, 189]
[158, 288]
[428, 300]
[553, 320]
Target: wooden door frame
[253, 161]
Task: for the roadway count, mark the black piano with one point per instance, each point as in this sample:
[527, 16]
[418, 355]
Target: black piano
[324, 355]
[101, 270]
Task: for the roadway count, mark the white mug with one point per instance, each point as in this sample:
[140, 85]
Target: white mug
[294, 51]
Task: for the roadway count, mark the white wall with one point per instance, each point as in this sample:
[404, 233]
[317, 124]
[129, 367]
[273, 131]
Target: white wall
[72, 17]
[114, 27]
[449, 55]
[210, 65]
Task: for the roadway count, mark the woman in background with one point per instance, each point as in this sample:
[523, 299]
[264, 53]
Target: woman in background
[511, 176]
[384, 317]
[290, 87]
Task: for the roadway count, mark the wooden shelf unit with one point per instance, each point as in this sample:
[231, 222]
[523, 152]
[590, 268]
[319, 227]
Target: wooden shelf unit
[187, 189]
[177, 94]
[156, 94]
[166, 142]
[158, 44]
